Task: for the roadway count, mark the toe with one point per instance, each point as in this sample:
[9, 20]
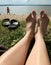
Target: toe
[43, 15]
[28, 17]
[42, 12]
[33, 14]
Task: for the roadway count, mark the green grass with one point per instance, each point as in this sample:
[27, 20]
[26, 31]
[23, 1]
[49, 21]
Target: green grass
[48, 33]
[9, 38]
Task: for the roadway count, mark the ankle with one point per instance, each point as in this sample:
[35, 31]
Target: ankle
[38, 34]
[30, 34]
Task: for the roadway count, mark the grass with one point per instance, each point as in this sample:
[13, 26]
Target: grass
[10, 38]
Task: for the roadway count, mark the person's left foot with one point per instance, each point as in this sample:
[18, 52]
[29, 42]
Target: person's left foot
[43, 22]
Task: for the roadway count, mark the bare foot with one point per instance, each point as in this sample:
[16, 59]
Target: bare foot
[43, 22]
[30, 23]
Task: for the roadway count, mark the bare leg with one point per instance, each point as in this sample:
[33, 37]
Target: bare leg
[39, 55]
[17, 54]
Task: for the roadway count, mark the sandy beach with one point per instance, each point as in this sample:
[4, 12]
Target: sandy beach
[14, 16]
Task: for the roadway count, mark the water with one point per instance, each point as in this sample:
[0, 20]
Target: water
[25, 9]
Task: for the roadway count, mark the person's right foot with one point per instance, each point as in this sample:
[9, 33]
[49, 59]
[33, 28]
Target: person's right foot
[43, 22]
[30, 23]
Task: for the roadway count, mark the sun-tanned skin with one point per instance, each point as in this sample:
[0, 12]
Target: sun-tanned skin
[43, 22]
[39, 55]
[31, 22]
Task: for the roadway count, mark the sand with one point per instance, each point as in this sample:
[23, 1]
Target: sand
[14, 16]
